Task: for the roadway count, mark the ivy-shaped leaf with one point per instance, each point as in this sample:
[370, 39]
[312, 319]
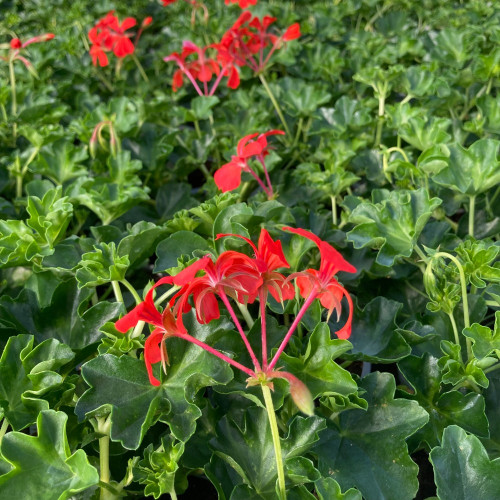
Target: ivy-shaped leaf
[375, 336]
[472, 170]
[476, 258]
[462, 468]
[444, 409]
[392, 225]
[317, 368]
[248, 449]
[328, 489]
[121, 386]
[43, 465]
[367, 449]
[485, 341]
[101, 266]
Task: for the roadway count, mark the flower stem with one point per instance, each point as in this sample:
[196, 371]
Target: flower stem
[454, 326]
[334, 209]
[215, 352]
[237, 323]
[103, 427]
[14, 96]
[139, 66]
[132, 290]
[465, 301]
[172, 494]
[294, 325]
[117, 291]
[472, 207]
[3, 429]
[271, 415]
[263, 299]
[246, 315]
[275, 103]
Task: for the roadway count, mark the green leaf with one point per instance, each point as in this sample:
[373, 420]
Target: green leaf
[62, 319]
[173, 197]
[159, 467]
[444, 409]
[485, 341]
[60, 161]
[19, 410]
[473, 170]
[101, 266]
[18, 245]
[424, 133]
[172, 249]
[375, 336]
[453, 369]
[328, 489]
[392, 225]
[121, 386]
[301, 99]
[50, 216]
[462, 469]
[43, 466]
[476, 258]
[317, 368]
[201, 107]
[367, 449]
[248, 448]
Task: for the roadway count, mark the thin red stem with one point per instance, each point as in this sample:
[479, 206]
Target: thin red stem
[263, 300]
[191, 79]
[266, 173]
[215, 352]
[271, 52]
[218, 80]
[226, 302]
[303, 309]
[257, 178]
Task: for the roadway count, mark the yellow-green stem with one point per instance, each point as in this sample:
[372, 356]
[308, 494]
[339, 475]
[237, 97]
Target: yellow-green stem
[173, 495]
[465, 301]
[14, 96]
[3, 429]
[271, 415]
[103, 427]
[132, 290]
[275, 104]
[455, 329]
[141, 69]
[334, 209]
[117, 291]
[246, 315]
[472, 208]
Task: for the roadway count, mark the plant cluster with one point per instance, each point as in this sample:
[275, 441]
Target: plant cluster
[286, 286]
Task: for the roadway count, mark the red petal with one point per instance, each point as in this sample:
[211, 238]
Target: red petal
[152, 354]
[292, 32]
[228, 177]
[188, 274]
[128, 23]
[123, 47]
[271, 252]
[233, 81]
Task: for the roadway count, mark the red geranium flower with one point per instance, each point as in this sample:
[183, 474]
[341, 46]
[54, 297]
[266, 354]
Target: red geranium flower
[110, 35]
[203, 68]
[16, 46]
[247, 40]
[243, 4]
[228, 177]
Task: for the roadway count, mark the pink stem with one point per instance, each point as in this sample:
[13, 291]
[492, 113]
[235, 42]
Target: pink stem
[294, 325]
[191, 79]
[217, 81]
[271, 52]
[257, 178]
[263, 299]
[249, 56]
[224, 299]
[215, 352]
[266, 173]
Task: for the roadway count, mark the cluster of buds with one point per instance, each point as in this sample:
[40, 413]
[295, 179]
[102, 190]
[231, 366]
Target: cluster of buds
[97, 137]
[109, 35]
[16, 47]
[237, 277]
[248, 42]
[253, 146]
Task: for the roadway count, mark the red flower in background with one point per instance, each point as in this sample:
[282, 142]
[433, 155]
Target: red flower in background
[228, 177]
[246, 42]
[243, 4]
[203, 68]
[109, 35]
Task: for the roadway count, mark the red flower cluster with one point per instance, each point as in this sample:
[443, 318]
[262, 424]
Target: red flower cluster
[246, 42]
[111, 35]
[228, 177]
[201, 68]
[243, 279]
